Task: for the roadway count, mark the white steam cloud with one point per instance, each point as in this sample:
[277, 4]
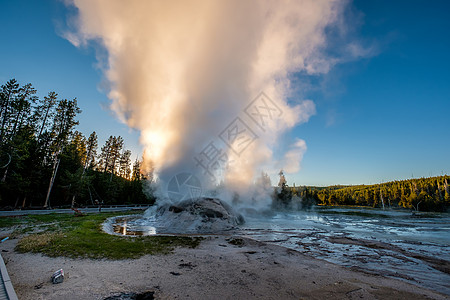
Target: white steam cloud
[182, 71]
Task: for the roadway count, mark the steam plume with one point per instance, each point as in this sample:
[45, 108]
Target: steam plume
[181, 71]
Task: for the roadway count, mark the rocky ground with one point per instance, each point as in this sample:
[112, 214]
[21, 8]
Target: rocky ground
[203, 215]
[222, 267]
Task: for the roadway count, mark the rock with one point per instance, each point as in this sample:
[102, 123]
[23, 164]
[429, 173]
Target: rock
[200, 215]
[38, 286]
[132, 296]
[175, 209]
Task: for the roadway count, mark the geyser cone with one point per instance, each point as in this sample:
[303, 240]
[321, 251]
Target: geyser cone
[201, 215]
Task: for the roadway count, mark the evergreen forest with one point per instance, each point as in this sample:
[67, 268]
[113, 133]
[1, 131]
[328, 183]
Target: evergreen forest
[45, 162]
[421, 194]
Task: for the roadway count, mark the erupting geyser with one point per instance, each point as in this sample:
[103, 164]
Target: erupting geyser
[181, 71]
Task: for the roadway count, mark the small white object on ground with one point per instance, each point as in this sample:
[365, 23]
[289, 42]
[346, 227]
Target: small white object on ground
[58, 276]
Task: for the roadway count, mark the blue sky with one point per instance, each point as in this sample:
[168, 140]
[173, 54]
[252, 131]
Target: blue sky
[379, 118]
[34, 51]
[385, 117]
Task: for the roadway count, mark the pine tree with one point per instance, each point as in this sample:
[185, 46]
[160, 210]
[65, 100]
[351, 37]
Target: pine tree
[45, 111]
[91, 150]
[116, 148]
[63, 124]
[110, 154]
[105, 155]
[136, 175]
[7, 96]
[125, 164]
[22, 107]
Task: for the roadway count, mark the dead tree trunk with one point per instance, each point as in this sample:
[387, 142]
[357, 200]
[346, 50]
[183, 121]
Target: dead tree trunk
[52, 180]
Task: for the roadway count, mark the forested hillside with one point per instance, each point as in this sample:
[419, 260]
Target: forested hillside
[46, 162]
[423, 194]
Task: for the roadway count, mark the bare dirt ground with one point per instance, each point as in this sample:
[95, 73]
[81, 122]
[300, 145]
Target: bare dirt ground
[216, 269]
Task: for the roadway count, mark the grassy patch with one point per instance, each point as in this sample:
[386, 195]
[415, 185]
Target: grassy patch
[20, 231]
[10, 221]
[37, 241]
[71, 236]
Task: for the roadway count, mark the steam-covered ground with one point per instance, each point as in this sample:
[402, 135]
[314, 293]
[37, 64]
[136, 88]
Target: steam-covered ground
[414, 248]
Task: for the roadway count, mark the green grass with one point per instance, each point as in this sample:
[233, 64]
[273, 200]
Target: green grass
[82, 237]
[6, 222]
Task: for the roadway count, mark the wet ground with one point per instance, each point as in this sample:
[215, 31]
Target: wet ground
[414, 248]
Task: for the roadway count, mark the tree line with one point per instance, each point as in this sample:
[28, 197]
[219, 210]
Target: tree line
[46, 162]
[422, 194]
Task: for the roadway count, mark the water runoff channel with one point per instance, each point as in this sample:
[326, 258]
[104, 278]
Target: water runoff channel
[392, 243]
